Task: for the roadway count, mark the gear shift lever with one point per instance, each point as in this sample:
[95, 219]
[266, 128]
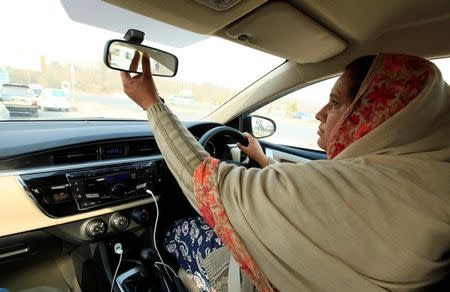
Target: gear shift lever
[149, 280]
[153, 278]
[148, 259]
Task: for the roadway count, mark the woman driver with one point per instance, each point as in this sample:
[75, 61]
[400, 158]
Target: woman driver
[374, 216]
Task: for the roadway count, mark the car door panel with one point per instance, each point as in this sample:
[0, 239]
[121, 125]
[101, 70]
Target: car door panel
[283, 153]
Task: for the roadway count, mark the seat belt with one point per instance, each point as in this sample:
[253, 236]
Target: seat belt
[234, 276]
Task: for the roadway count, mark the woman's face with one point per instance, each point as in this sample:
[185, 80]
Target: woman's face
[338, 103]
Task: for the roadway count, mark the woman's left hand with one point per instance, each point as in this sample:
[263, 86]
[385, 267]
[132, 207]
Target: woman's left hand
[141, 87]
[254, 150]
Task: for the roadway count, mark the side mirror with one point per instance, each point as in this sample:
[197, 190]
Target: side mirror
[261, 127]
[118, 55]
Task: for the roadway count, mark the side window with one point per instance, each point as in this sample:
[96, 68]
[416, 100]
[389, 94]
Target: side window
[444, 66]
[294, 115]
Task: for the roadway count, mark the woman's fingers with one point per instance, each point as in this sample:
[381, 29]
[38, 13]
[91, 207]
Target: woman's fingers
[254, 150]
[146, 65]
[242, 147]
[135, 62]
[248, 136]
[140, 88]
[125, 76]
[250, 139]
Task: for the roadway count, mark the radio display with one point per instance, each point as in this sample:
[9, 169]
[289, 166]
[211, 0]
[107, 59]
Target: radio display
[114, 151]
[118, 177]
[103, 185]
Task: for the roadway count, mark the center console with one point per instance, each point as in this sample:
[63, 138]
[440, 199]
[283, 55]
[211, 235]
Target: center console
[149, 275]
[60, 193]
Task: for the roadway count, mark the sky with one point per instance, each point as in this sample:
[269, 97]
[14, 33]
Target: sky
[44, 28]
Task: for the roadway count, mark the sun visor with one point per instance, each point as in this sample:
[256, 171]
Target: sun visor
[104, 15]
[280, 29]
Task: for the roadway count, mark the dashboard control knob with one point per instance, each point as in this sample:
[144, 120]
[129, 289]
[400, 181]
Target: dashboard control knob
[140, 215]
[118, 190]
[119, 222]
[95, 228]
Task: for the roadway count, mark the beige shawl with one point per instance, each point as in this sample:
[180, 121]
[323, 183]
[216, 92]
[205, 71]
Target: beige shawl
[375, 216]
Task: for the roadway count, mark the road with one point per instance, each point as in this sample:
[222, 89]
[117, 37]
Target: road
[111, 106]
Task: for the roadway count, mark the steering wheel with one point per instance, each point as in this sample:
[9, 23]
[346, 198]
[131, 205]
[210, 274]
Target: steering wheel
[234, 135]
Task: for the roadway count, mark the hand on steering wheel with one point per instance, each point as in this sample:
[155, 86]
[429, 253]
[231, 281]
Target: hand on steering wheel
[254, 150]
[234, 134]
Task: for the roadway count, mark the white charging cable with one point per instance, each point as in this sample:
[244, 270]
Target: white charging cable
[118, 250]
[165, 265]
[154, 234]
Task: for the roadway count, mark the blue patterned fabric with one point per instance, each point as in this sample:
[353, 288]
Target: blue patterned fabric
[191, 240]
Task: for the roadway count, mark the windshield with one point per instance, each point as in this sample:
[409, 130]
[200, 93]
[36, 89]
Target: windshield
[50, 50]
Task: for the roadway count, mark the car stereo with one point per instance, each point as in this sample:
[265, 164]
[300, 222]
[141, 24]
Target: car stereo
[99, 187]
[71, 192]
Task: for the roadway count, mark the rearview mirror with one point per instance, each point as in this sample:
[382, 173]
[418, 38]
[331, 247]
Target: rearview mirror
[118, 55]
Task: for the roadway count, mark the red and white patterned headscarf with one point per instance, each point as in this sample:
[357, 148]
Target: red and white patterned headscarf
[390, 85]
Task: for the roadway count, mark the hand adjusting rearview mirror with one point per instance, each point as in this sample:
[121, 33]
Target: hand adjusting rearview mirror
[118, 55]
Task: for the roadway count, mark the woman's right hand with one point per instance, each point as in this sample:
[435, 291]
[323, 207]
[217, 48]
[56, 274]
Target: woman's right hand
[140, 88]
[254, 150]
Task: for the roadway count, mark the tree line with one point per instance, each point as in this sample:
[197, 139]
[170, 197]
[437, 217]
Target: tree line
[98, 79]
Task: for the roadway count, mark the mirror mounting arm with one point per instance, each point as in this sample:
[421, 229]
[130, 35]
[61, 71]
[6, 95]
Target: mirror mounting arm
[134, 36]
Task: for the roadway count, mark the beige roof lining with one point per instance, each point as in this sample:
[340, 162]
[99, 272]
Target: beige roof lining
[358, 21]
[189, 14]
[272, 25]
[275, 24]
[353, 20]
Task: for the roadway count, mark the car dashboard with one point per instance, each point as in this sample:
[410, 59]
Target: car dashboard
[92, 177]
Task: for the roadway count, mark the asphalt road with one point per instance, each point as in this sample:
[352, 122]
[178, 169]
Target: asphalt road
[112, 106]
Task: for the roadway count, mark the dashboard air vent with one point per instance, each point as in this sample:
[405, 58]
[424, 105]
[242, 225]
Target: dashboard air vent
[143, 148]
[80, 154]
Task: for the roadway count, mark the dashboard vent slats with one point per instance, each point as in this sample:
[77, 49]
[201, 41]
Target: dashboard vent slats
[142, 148]
[105, 151]
[80, 154]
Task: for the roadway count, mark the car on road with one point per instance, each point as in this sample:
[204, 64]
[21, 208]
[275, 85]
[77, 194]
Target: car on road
[36, 88]
[4, 112]
[54, 99]
[181, 100]
[303, 116]
[19, 99]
